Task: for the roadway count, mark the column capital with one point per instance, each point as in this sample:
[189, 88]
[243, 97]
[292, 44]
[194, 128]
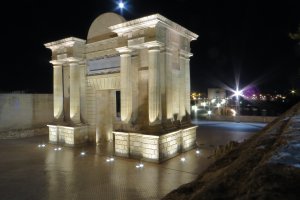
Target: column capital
[124, 50]
[73, 60]
[166, 49]
[56, 63]
[153, 44]
[73, 64]
[185, 54]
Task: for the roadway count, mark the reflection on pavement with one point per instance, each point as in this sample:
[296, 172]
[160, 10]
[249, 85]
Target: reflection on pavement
[45, 173]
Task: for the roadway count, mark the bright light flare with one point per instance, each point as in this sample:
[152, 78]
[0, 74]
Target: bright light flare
[223, 101]
[57, 149]
[139, 165]
[110, 159]
[198, 152]
[182, 159]
[42, 145]
[238, 92]
[121, 5]
[195, 108]
[203, 104]
[83, 153]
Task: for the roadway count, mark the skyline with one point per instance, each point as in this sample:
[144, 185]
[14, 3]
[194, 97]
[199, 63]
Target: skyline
[246, 38]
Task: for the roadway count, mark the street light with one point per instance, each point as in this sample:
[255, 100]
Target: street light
[293, 92]
[237, 94]
[209, 113]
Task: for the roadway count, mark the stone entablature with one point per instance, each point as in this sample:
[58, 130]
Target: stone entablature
[67, 49]
[152, 21]
[147, 60]
[105, 82]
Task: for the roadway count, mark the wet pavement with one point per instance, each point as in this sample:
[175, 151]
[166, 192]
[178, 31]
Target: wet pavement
[31, 172]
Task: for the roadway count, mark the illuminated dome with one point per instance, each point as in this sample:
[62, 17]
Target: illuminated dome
[99, 29]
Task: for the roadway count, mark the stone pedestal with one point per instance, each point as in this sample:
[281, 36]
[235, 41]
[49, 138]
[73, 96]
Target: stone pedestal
[154, 148]
[68, 135]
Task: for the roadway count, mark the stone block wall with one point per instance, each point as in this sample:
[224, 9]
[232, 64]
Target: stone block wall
[154, 148]
[169, 144]
[136, 145]
[53, 133]
[188, 138]
[121, 144]
[70, 136]
[150, 147]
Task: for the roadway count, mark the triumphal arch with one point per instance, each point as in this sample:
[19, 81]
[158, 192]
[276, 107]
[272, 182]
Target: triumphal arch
[128, 83]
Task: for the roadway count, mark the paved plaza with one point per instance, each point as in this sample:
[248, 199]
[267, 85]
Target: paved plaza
[31, 172]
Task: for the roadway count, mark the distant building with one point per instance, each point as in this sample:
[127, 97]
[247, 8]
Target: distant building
[216, 93]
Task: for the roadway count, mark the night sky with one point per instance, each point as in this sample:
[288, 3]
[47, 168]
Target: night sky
[249, 38]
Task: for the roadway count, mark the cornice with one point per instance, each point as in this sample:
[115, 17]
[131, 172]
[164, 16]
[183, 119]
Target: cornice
[66, 42]
[152, 21]
[66, 60]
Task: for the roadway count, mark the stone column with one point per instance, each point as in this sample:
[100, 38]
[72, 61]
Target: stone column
[126, 84]
[162, 73]
[75, 93]
[182, 87]
[154, 84]
[169, 85]
[187, 84]
[58, 95]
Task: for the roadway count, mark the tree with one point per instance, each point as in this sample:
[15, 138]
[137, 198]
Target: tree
[295, 36]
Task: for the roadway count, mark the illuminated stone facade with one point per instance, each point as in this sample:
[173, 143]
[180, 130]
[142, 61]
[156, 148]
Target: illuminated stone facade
[147, 61]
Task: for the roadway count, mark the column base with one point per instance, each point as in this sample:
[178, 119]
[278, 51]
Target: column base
[68, 135]
[154, 148]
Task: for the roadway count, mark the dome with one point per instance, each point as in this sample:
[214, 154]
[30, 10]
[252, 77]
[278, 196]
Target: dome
[99, 29]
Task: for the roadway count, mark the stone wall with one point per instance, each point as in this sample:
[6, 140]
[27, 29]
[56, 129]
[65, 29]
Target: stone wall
[25, 112]
[23, 133]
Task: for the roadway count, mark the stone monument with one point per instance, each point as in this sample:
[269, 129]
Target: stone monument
[146, 61]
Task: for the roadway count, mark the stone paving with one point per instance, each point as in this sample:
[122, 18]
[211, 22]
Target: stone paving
[31, 172]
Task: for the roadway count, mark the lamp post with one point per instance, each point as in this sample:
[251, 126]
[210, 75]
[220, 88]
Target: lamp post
[237, 94]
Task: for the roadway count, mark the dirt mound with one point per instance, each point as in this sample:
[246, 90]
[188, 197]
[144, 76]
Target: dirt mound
[267, 166]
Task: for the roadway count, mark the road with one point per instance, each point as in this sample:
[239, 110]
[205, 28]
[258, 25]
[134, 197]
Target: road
[214, 133]
[30, 172]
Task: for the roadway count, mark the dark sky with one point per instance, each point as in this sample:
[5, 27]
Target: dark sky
[249, 38]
